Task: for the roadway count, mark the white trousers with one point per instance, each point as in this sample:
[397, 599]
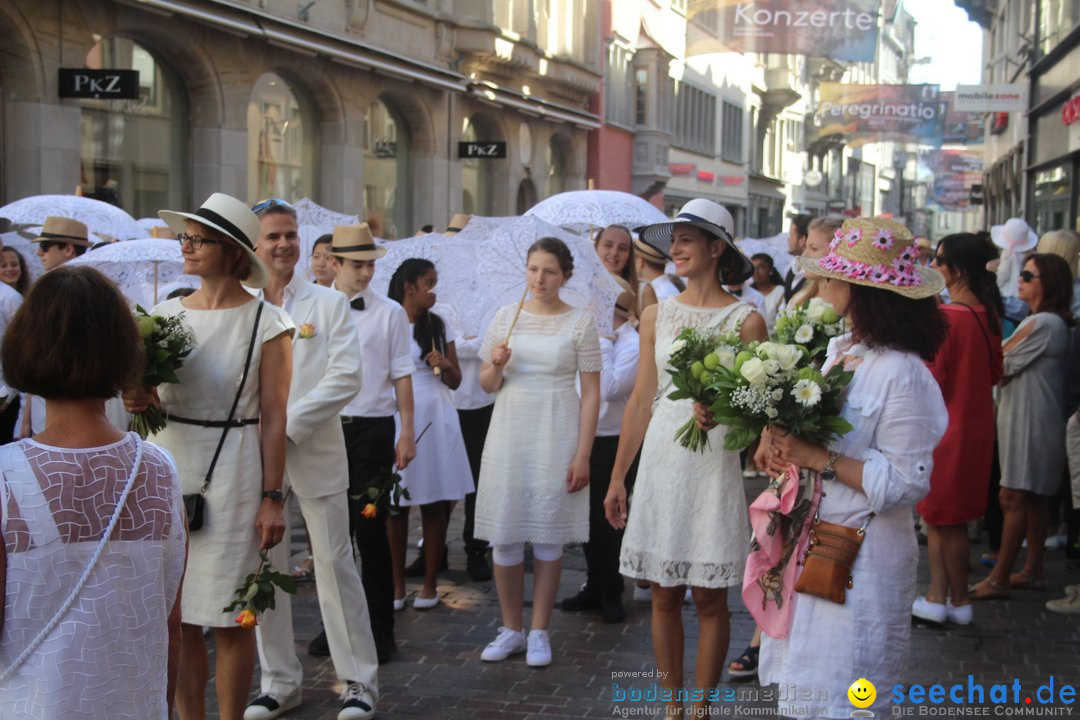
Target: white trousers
[1072, 451]
[341, 601]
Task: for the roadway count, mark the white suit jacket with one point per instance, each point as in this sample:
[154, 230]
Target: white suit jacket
[325, 377]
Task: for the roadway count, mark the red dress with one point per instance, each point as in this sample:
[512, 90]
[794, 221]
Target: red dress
[967, 367]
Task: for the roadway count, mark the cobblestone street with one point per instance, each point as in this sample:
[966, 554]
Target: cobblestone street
[437, 672]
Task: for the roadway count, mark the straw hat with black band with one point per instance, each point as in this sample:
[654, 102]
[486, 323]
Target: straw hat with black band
[64, 230]
[457, 223]
[355, 242]
[234, 220]
[710, 217]
[879, 253]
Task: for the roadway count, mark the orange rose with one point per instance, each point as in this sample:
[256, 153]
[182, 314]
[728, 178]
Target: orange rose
[247, 619]
[370, 511]
[307, 330]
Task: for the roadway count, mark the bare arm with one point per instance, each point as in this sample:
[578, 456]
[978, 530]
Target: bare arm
[578, 476]
[175, 637]
[275, 374]
[406, 446]
[450, 371]
[491, 374]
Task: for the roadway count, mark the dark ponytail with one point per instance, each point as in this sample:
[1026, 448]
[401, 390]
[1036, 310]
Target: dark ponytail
[967, 254]
[429, 330]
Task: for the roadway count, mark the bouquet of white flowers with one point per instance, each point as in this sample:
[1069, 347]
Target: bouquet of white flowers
[167, 342]
[811, 325]
[695, 361]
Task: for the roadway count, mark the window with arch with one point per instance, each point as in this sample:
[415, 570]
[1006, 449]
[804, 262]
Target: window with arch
[134, 152]
[555, 159]
[386, 172]
[475, 175]
[281, 142]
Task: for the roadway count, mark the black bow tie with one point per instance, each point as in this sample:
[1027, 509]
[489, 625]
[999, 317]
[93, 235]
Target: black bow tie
[357, 303]
[737, 293]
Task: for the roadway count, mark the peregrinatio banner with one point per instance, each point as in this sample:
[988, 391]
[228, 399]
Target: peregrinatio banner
[839, 29]
[872, 113]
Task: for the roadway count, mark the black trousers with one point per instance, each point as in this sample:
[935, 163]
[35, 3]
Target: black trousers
[474, 430]
[369, 444]
[605, 542]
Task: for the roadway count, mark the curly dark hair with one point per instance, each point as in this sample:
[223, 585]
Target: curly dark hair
[429, 330]
[883, 319]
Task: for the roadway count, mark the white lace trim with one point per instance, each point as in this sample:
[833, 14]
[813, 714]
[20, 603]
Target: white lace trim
[672, 573]
[578, 322]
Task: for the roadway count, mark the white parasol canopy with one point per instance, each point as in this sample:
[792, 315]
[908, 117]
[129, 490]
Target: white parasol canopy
[99, 217]
[582, 209]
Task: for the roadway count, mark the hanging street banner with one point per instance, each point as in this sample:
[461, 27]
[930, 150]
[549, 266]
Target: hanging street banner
[991, 98]
[955, 173]
[862, 114]
[961, 128]
[838, 29]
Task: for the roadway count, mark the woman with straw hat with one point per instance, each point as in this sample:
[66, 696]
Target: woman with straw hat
[872, 476]
[240, 364]
[688, 523]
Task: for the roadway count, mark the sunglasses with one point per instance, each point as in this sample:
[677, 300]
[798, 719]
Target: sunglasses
[46, 245]
[269, 203]
[196, 241]
[1027, 276]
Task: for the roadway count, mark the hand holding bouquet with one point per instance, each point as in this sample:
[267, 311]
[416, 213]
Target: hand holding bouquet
[696, 361]
[256, 593]
[811, 325]
[167, 341]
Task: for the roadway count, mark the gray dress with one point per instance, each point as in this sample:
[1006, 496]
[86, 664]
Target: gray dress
[1031, 407]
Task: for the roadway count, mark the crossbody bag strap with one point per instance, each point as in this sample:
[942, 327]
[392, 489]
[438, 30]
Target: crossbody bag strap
[236, 400]
[986, 337]
[10, 670]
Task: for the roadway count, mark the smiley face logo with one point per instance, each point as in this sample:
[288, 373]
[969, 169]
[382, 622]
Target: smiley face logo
[862, 693]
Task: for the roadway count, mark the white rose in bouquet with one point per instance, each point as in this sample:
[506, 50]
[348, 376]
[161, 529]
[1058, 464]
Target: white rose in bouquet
[787, 355]
[815, 309]
[754, 371]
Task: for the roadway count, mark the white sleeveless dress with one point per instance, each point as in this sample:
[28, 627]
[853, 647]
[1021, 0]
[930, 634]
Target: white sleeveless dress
[107, 657]
[688, 521]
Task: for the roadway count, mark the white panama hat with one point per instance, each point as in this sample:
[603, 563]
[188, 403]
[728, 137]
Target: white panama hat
[233, 219]
[1015, 234]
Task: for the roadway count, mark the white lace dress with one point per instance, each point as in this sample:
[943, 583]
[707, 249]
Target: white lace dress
[522, 493]
[688, 521]
[107, 657]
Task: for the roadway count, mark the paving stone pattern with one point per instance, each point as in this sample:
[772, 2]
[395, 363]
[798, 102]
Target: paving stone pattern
[437, 672]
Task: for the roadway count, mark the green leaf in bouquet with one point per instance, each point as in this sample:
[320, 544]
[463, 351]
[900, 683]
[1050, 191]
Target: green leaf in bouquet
[739, 438]
[679, 395]
[286, 583]
[836, 424]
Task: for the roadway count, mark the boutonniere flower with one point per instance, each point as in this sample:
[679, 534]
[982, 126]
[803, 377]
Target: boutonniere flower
[307, 330]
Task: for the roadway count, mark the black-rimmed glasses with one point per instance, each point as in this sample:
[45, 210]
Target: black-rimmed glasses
[1027, 276]
[196, 241]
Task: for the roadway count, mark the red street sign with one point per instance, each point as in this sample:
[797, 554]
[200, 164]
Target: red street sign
[680, 169]
[705, 176]
[1070, 111]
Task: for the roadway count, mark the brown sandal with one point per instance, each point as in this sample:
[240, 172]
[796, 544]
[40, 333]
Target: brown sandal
[996, 591]
[1024, 581]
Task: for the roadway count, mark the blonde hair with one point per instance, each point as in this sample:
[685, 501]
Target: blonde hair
[1063, 243]
[826, 223]
[807, 292]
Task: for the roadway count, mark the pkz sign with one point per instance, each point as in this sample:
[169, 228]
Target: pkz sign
[99, 84]
[481, 149]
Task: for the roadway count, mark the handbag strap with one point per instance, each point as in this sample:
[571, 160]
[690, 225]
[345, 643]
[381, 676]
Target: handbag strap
[81, 582]
[986, 337]
[236, 400]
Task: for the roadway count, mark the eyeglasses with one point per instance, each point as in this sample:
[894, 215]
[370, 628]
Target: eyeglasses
[196, 241]
[1027, 276]
[269, 203]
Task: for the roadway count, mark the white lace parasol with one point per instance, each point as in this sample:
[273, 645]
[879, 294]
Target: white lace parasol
[26, 248]
[309, 212]
[581, 209]
[775, 247]
[99, 217]
[140, 267]
[149, 223]
[482, 268]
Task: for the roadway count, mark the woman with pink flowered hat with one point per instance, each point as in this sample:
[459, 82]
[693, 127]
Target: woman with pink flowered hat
[872, 476]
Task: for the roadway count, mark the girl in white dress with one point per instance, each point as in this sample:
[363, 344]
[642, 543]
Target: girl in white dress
[536, 456]
[243, 500]
[688, 524]
[440, 472]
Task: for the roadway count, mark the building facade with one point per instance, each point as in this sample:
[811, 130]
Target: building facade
[401, 111]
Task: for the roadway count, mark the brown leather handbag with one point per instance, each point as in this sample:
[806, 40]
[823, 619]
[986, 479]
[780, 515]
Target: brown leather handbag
[830, 556]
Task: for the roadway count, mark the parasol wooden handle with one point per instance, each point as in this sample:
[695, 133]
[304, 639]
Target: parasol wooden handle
[437, 370]
[517, 313]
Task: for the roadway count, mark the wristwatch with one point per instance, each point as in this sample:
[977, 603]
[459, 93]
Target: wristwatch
[275, 495]
[829, 471]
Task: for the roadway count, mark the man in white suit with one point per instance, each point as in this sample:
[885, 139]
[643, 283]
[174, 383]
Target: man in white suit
[326, 376]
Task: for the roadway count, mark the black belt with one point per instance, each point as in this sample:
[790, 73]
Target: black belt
[346, 419]
[237, 422]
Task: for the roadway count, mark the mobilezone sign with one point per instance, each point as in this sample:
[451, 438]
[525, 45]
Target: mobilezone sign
[1002, 97]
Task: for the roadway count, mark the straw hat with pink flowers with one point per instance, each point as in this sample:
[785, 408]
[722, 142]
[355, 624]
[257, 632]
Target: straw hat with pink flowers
[876, 252]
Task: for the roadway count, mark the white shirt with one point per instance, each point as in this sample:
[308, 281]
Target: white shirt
[469, 395]
[663, 287]
[620, 359]
[773, 302]
[753, 297]
[382, 329]
[10, 300]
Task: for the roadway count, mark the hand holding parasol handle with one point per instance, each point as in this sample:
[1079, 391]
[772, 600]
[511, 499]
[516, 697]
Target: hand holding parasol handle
[431, 328]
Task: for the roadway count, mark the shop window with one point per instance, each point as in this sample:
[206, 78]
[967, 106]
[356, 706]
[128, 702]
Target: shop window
[526, 196]
[386, 171]
[475, 174]
[1057, 18]
[133, 152]
[1052, 190]
[695, 119]
[281, 142]
[731, 132]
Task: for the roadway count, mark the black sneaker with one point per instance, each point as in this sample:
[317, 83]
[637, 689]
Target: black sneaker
[319, 647]
[585, 600]
[477, 566]
[611, 610]
[267, 707]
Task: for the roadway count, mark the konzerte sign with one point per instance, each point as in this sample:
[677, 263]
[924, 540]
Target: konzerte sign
[869, 113]
[839, 29]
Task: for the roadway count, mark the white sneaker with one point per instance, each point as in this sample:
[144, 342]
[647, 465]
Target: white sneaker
[1072, 589]
[539, 653]
[356, 703]
[958, 615]
[509, 642]
[642, 594]
[929, 611]
[1068, 605]
[266, 707]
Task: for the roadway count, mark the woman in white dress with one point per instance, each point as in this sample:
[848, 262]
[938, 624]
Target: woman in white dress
[536, 456]
[440, 472]
[243, 499]
[768, 282]
[874, 474]
[112, 652]
[688, 523]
